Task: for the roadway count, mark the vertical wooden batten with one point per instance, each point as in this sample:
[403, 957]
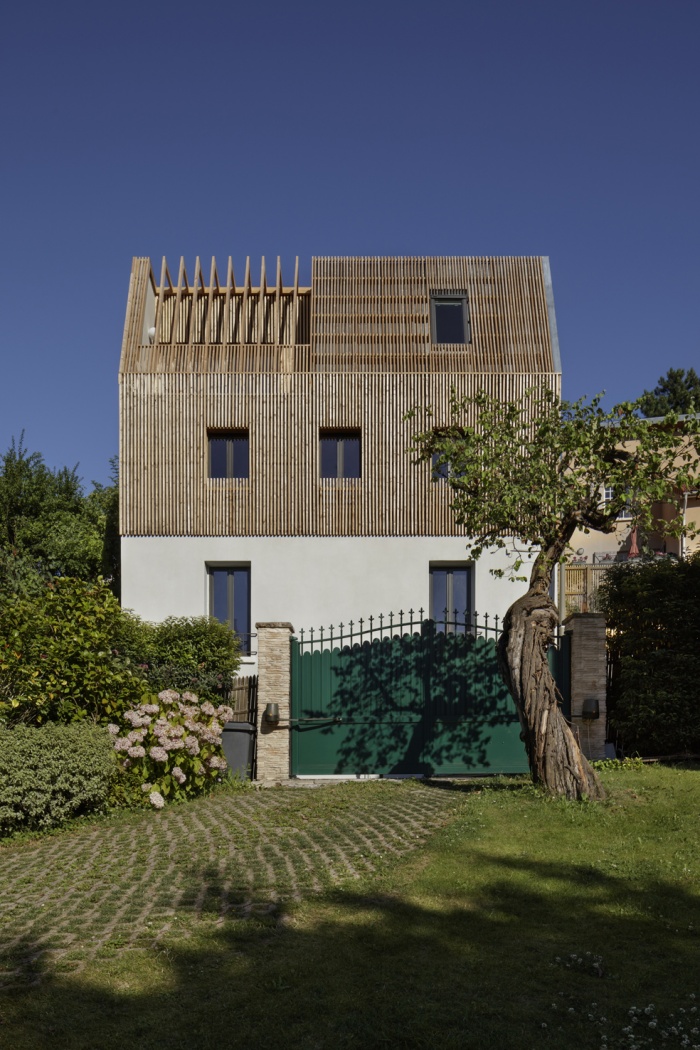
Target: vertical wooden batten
[352, 350]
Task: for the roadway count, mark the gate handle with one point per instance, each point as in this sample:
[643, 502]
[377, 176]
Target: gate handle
[336, 719]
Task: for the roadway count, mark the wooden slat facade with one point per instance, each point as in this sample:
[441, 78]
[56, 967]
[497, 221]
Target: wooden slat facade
[284, 362]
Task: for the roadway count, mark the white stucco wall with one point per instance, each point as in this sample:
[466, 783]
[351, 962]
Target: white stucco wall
[307, 581]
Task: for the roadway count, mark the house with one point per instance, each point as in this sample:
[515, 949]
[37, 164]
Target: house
[594, 552]
[265, 464]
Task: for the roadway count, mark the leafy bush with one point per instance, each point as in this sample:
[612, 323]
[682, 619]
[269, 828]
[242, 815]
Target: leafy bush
[173, 743]
[50, 774]
[57, 655]
[653, 614]
[196, 654]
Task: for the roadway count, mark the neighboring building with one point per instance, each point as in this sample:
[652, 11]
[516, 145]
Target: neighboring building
[265, 465]
[593, 552]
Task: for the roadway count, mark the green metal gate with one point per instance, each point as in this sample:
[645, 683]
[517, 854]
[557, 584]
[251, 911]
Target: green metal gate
[395, 695]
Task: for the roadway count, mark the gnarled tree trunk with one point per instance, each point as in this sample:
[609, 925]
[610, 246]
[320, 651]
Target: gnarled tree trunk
[556, 760]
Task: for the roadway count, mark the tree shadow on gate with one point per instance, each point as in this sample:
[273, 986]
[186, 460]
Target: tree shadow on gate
[427, 702]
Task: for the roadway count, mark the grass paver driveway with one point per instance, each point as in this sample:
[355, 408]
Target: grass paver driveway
[477, 916]
[123, 882]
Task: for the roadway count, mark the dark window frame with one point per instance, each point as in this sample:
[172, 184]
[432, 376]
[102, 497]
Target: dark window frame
[444, 618]
[235, 610]
[451, 300]
[343, 461]
[234, 468]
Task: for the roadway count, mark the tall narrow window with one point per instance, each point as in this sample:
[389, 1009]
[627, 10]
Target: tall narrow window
[228, 453]
[450, 597]
[449, 318]
[340, 454]
[229, 600]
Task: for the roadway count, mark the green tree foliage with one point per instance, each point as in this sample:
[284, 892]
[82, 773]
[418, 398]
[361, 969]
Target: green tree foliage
[535, 470]
[48, 527]
[59, 655]
[70, 652]
[653, 614]
[524, 476]
[677, 391]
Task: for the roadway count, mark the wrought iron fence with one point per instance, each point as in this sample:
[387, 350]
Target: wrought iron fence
[392, 625]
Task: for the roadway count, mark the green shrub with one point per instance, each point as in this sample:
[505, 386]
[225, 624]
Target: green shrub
[53, 773]
[653, 615]
[58, 660]
[197, 654]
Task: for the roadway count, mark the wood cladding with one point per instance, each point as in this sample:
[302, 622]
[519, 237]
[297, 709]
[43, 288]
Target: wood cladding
[220, 356]
[166, 490]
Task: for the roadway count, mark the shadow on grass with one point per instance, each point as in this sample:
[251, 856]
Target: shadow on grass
[451, 965]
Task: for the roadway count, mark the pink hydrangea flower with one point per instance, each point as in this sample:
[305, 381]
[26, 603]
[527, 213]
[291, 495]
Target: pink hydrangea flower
[190, 698]
[208, 708]
[156, 799]
[192, 745]
[122, 743]
[137, 751]
[158, 754]
[114, 730]
[179, 775]
[225, 713]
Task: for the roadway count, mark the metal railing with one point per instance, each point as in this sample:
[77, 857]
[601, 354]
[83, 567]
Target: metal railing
[398, 625]
[581, 587]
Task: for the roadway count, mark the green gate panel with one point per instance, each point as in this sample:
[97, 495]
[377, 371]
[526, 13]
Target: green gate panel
[429, 702]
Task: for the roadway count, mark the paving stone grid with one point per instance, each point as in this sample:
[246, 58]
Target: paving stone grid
[126, 883]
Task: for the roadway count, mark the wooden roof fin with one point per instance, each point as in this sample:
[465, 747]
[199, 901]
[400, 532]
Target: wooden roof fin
[196, 282]
[213, 283]
[278, 302]
[159, 304]
[261, 301]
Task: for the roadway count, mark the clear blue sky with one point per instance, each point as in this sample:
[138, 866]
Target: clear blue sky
[567, 128]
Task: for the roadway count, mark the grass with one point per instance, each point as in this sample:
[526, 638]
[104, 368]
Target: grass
[404, 915]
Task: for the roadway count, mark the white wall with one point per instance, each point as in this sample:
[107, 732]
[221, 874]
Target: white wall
[310, 581]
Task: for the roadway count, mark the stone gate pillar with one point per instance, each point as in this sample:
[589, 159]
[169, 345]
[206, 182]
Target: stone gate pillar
[274, 681]
[588, 679]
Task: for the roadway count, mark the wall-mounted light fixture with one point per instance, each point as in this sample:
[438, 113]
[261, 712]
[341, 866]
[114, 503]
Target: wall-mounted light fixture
[590, 709]
[272, 713]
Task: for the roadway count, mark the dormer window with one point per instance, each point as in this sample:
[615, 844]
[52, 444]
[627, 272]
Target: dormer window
[449, 318]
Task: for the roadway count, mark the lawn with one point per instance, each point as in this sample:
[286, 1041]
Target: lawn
[472, 915]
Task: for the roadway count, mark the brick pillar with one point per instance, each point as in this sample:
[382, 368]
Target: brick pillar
[588, 678]
[273, 688]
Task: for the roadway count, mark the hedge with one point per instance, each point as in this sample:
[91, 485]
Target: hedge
[653, 617]
[53, 773]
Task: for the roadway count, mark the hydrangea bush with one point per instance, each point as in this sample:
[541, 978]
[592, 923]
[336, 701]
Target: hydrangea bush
[173, 742]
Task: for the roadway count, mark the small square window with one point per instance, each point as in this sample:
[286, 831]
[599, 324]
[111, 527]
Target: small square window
[340, 454]
[228, 453]
[440, 471]
[609, 495]
[449, 318]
